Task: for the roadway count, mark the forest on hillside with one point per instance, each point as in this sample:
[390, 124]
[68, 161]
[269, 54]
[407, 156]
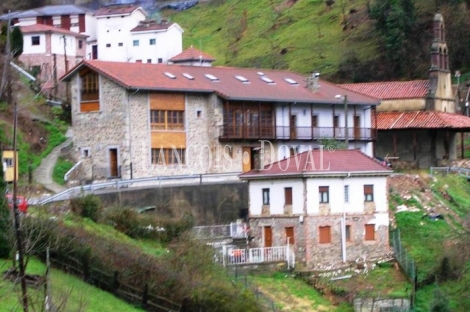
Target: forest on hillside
[373, 40]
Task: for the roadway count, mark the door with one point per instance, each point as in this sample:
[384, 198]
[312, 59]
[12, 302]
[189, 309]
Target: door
[94, 52]
[113, 162]
[357, 127]
[246, 159]
[290, 235]
[293, 125]
[268, 236]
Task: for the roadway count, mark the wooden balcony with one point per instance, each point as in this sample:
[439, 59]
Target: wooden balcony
[248, 132]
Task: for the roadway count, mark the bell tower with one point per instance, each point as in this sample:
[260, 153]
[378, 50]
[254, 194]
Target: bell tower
[440, 96]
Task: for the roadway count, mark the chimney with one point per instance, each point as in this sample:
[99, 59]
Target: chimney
[312, 82]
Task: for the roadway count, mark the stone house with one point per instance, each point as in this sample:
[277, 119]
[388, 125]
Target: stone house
[330, 205]
[133, 120]
[416, 121]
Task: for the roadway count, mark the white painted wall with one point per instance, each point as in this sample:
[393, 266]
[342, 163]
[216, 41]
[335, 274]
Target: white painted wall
[336, 195]
[113, 30]
[277, 199]
[28, 48]
[57, 44]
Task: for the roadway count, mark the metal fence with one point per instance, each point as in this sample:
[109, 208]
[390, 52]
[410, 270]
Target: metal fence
[229, 255]
[406, 263]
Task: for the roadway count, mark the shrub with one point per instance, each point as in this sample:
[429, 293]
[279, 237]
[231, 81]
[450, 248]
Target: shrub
[125, 220]
[88, 206]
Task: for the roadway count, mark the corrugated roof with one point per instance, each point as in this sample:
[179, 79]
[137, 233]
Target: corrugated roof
[152, 77]
[40, 28]
[117, 10]
[321, 162]
[49, 10]
[192, 54]
[421, 120]
[392, 89]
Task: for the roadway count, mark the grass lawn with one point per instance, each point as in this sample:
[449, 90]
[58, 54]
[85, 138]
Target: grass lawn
[67, 290]
[290, 294]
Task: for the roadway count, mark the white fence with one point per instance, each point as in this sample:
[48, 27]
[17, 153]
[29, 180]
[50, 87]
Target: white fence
[232, 256]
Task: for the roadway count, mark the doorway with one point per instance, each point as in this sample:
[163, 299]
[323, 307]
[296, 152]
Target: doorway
[268, 236]
[113, 162]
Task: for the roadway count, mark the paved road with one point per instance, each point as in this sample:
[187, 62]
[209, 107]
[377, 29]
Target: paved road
[43, 173]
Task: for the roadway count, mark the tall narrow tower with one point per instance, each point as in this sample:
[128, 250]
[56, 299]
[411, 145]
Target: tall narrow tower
[440, 94]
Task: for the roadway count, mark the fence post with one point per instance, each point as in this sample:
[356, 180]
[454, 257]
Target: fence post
[145, 296]
[115, 282]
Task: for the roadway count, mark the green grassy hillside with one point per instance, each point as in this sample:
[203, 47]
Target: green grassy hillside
[303, 36]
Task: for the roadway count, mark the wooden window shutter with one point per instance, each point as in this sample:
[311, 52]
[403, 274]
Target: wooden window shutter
[288, 195]
[370, 232]
[325, 234]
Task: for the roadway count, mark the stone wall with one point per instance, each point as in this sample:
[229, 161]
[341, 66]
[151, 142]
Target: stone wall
[209, 204]
[318, 256]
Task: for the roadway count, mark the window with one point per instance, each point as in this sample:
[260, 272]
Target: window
[288, 196]
[8, 162]
[135, 43]
[266, 196]
[80, 44]
[153, 41]
[108, 45]
[86, 152]
[138, 61]
[120, 44]
[90, 92]
[167, 120]
[314, 121]
[290, 235]
[368, 193]
[35, 40]
[346, 193]
[336, 121]
[324, 194]
[160, 60]
[149, 60]
[369, 232]
[294, 150]
[325, 234]
[168, 156]
[198, 113]
[348, 233]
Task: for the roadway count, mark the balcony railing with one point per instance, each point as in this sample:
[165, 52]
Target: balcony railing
[249, 132]
[234, 256]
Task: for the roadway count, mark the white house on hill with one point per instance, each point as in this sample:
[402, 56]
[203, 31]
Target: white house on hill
[330, 205]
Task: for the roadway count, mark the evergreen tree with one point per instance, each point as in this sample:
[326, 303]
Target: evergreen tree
[4, 219]
[16, 42]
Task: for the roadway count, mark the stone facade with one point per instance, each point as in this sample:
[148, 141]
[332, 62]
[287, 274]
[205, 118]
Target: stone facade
[313, 255]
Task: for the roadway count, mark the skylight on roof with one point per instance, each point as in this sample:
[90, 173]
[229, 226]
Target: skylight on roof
[188, 76]
[291, 81]
[211, 77]
[260, 73]
[266, 79]
[169, 75]
[242, 79]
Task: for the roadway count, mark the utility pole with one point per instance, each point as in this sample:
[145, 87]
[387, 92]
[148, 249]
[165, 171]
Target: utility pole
[346, 136]
[16, 219]
[66, 63]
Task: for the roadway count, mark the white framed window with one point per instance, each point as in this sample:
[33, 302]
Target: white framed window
[265, 196]
[346, 193]
[85, 152]
[135, 43]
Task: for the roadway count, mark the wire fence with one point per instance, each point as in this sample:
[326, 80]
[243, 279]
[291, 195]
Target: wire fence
[406, 263]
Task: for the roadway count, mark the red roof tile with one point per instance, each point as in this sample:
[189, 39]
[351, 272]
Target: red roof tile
[192, 54]
[144, 76]
[321, 162]
[421, 120]
[40, 28]
[392, 89]
[116, 10]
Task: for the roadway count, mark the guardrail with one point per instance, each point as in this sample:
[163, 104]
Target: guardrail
[446, 170]
[142, 182]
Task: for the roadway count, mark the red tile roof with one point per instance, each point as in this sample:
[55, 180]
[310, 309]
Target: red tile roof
[421, 120]
[151, 25]
[192, 54]
[116, 10]
[392, 89]
[143, 76]
[40, 28]
[322, 163]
